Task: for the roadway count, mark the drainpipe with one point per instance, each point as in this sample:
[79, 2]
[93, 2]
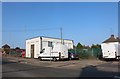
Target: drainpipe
[40, 43]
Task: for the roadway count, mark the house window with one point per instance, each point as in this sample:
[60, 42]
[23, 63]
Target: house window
[50, 44]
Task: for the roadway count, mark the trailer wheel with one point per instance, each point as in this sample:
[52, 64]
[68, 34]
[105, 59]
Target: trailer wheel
[70, 58]
[54, 59]
[40, 58]
[118, 58]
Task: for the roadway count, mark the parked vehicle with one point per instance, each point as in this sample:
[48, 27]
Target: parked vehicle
[111, 51]
[111, 48]
[57, 52]
[72, 56]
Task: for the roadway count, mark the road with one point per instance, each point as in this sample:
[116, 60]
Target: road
[15, 69]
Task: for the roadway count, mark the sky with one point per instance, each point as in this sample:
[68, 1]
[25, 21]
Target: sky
[85, 22]
[0, 24]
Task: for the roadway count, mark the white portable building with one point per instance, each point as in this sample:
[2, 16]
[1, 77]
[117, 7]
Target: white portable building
[35, 45]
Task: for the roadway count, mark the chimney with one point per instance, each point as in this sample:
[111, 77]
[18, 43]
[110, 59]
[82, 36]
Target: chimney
[112, 36]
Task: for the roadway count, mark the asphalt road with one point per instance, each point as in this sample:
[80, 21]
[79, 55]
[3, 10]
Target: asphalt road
[13, 69]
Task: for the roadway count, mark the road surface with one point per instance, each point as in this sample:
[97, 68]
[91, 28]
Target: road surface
[15, 69]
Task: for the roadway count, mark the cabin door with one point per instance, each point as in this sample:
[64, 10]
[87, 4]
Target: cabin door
[32, 51]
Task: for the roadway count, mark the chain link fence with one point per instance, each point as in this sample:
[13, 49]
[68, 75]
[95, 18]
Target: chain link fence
[88, 53]
[14, 53]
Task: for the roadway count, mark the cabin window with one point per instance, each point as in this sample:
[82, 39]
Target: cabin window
[50, 44]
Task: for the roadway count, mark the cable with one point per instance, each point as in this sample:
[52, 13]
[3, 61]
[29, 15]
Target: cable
[17, 30]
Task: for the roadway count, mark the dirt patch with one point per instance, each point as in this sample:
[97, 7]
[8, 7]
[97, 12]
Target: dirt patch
[72, 64]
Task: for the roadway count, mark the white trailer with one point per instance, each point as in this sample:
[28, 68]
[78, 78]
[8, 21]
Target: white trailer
[111, 48]
[48, 46]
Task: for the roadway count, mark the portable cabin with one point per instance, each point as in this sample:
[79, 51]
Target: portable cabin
[35, 45]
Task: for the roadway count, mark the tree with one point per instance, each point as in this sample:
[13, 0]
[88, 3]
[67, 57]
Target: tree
[17, 48]
[96, 46]
[79, 46]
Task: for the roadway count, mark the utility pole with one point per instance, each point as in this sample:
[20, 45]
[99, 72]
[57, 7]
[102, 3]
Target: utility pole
[25, 33]
[61, 35]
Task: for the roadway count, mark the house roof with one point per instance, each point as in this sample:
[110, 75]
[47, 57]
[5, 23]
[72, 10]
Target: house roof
[5, 46]
[112, 39]
[48, 37]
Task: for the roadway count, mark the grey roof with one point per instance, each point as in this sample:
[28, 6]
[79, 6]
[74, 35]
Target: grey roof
[48, 37]
[55, 38]
[112, 39]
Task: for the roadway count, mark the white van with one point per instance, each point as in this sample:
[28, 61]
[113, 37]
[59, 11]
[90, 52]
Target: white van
[57, 52]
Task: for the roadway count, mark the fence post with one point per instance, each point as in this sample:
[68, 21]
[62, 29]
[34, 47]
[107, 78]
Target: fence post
[92, 51]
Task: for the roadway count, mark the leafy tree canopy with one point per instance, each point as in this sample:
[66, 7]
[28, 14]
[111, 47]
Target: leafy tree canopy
[17, 48]
[96, 46]
[79, 46]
